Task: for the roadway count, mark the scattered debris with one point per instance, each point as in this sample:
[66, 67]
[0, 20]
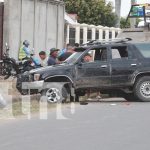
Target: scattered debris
[127, 103]
[113, 104]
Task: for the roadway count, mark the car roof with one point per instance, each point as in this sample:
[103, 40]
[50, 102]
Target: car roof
[83, 48]
[95, 44]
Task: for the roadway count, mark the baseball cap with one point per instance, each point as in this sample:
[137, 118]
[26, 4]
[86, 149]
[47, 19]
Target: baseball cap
[53, 50]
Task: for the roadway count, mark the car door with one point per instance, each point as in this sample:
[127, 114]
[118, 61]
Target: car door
[123, 65]
[95, 73]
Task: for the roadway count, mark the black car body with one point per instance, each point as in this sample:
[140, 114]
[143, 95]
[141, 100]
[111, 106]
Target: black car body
[118, 68]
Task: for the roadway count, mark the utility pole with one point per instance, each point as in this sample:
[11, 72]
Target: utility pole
[133, 20]
[118, 11]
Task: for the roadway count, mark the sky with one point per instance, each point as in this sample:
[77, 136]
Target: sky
[126, 5]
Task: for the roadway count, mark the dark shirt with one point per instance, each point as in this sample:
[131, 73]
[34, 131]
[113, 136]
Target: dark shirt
[51, 61]
[64, 56]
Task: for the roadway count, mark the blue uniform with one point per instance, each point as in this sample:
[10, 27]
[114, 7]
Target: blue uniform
[51, 61]
[27, 51]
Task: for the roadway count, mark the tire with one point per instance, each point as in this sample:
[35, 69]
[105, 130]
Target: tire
[55, 94]
[142, 89]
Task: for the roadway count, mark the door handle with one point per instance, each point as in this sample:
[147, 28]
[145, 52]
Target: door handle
[104, 66]
[133, 65]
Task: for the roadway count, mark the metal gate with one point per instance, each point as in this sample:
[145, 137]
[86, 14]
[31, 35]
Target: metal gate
[1, 28]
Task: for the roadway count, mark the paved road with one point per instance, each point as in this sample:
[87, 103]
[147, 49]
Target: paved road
[96, 126]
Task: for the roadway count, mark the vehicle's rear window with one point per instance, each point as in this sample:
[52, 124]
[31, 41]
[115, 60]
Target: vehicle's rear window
[144, 48]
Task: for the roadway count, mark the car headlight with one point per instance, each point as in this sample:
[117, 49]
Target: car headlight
[36, 77]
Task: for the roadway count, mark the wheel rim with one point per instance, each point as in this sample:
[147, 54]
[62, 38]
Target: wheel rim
[53, 95]
[145, 89]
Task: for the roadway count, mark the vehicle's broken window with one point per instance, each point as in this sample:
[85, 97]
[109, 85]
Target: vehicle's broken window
[119, 52]
[96, 55]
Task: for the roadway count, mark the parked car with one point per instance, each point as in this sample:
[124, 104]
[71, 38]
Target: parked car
[119, 68]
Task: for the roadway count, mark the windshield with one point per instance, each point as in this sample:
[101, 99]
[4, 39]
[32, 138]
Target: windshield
[73, 58]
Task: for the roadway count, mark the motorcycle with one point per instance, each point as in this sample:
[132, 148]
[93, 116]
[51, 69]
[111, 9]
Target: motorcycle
[10, 67]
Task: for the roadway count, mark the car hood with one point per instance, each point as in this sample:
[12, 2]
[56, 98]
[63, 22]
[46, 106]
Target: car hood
[50, 68]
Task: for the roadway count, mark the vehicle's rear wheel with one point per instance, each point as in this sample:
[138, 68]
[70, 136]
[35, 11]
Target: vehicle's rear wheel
[142, 89]
[55, 94]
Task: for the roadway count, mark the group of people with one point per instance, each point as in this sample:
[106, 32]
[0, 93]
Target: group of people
[54, 57]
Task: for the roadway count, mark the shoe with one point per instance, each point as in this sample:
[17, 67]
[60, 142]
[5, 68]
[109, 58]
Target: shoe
[83, 103]
[99, 97]
[89, 99]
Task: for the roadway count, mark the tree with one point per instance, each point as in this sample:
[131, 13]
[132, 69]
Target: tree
[95, 12]
[124, 24]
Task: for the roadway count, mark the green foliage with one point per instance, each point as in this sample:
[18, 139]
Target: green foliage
[95, 12]
[138, 20]
[124, 24]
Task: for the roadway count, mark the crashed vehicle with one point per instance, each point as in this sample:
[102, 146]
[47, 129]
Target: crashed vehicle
[119, 68]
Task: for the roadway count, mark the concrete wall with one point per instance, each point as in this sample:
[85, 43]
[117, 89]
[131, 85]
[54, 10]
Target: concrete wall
[39, 21]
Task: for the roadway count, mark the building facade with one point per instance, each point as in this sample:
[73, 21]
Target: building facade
[41, 22]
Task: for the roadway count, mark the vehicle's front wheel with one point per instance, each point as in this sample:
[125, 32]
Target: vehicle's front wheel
[142, 89]
[55, 94]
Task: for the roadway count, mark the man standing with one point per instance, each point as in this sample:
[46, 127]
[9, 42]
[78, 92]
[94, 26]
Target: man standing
[88, 58]
[53, 57]
[68, 53]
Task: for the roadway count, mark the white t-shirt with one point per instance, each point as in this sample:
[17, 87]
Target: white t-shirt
[44, 62]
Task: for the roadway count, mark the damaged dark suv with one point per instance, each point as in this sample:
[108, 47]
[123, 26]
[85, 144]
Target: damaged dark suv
[119, 68]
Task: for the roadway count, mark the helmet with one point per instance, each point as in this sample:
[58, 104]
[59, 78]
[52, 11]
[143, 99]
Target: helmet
[26, 43]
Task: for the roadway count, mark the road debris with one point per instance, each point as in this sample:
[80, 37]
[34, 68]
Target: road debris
[113, 104]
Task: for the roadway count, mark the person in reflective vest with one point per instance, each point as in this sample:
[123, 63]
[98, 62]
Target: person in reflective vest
[24, 51]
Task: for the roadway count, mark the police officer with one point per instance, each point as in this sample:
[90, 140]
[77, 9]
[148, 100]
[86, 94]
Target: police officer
[24, 51]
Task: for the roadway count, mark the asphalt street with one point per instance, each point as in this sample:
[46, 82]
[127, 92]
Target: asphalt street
[108, 125]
